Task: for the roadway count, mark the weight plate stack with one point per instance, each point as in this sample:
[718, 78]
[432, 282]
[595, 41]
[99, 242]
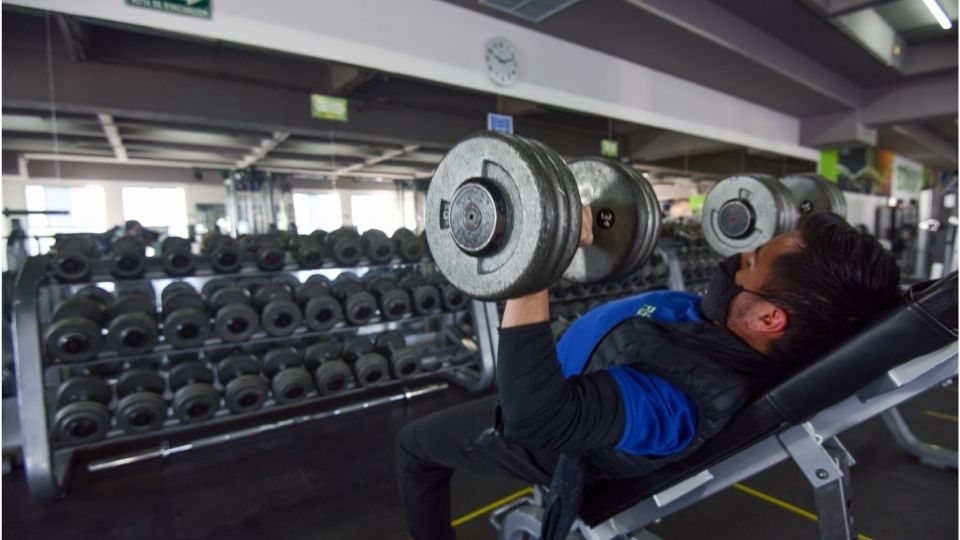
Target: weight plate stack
[743, 212]
[813, 194]
[493, 207]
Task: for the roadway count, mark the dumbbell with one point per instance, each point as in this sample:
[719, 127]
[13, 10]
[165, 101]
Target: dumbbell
[451, 298]
[394, 302]
[289, 280]
[178, 259]
[378, 247]
[369, 367]
[128, 259]
[321, 311]
[425, 297]
[330, 372]
[132, 326]
[82, 416]
[73, 258]
[344, 246]
[96, 294]
[186, 323]
[743, 212]
[359, 306]
[289, 380]
[279, 315]
[409, 246]
[194, 398]
[226, 257]
[74, 335]
[404, 361]
[308, 252]
[141, 407]
[234, 318]
[503, 217]
[269, 253]
[244, 390]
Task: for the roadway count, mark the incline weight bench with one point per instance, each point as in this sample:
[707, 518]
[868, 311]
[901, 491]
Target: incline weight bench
[905, 352]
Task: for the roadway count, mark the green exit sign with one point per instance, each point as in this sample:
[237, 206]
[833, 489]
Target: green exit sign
[609, 148]
[328, 108]
[192, 8]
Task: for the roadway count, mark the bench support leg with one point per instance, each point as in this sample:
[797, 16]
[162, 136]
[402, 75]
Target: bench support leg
[928, 454]
[826, 464]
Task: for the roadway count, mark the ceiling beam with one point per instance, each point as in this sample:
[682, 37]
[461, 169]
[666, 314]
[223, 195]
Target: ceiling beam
[712, 22]
[836, 131]
[259, 151]
[842, 7]
[930, 57]
[912, 102]
[351, 170]
[928, 138]
[113, 136]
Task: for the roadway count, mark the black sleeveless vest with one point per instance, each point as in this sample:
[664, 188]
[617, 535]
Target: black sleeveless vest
[716, 370]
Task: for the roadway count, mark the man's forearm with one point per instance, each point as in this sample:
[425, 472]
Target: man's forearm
[529, 309]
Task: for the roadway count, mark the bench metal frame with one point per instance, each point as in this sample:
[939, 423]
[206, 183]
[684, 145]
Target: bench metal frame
[812, 445]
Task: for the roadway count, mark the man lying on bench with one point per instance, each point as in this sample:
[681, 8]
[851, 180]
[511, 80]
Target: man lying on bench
[642, 382]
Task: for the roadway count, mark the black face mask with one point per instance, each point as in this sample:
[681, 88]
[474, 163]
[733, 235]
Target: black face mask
[721, 290]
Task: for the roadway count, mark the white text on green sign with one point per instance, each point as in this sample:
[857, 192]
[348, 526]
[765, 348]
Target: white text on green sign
[328, 108]
[192, 8]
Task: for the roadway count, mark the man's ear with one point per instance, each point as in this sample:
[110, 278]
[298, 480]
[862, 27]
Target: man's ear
[768, 318]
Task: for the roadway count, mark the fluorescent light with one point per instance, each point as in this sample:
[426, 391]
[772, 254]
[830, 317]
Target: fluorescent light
[938, 14]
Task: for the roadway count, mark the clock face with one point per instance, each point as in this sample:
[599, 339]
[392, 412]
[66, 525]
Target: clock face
[502, 61]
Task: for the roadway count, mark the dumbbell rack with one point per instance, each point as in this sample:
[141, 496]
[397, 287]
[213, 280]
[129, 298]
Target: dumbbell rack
[437, 337]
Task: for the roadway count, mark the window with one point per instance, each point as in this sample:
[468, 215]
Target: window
[376, 211]
[161, 209]
[314, 211]
[86, 206]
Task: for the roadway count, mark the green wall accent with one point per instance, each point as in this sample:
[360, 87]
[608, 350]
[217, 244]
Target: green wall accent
[829, 159]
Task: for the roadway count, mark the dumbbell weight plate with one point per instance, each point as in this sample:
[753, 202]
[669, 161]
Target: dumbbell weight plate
[141, 412]
[322, 313]
[186, 328]
[245, 393]
[813, 194]
[404, 362]
[371, 369]
[289, 281]
[570, 213]
[131, 333]
[452, 298]
[271, 292]
[237, 365]
[387, 341]
[188, 371]
[394, 304]
[81, 422]
[490, 211]
[741, 213]
[271, 258]
[252, 284]
[176, 287]
[214, 285]
[228, 296]
[139, 380]
[621, 223]
[96, 294]
[79, 307]
[73, 340]
[291, 385]
[179, 263]
[280, 358]
[226, 259]
[83, 388]
[195, 402]
[345, 246]
[332, 377]
[280, 317]
[132, 303]
[184, 300]
[378, 247]
[359, 308]
[319, 353]
[409, 245]
[309, 290]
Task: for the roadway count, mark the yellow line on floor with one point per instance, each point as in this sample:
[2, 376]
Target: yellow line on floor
[940, 415]
[488, 508]
[785, 505]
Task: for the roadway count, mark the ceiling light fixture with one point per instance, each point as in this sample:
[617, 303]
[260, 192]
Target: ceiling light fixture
[937, 11]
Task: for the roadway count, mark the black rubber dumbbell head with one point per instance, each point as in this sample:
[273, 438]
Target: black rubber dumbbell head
[404, 361]
[194, 399]
[290, 281]
[356, 347]
[73, 258]
[252, 284]
[281, 317]
[176, 256]
[80, 307]
[371, 369]
[128, 260]
[176, 287]
[308, 252]
[378, 247]
[141, 407]
[186, 323]
[309, 290]
[322, 313]
[270, 255]
[210, 287]
[409, 246]
[317, 354]
[244, 388]
[344, 246]
[226, 257]
[424, 298]
[131, 333]
[452, 298]
[73, 339]
[82, 416]
[333, 377]
[271, 292]
[97, 294]
[289, 381]
[132, 303]
[236, 322]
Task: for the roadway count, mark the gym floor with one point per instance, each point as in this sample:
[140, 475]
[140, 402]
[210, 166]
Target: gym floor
[334, 479]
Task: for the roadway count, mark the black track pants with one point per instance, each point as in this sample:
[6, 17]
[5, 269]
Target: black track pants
[461, 437]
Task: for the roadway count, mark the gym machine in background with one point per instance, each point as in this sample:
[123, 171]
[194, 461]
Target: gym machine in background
[127, 357]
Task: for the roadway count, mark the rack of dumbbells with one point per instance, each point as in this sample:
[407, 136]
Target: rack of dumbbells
[127, 357]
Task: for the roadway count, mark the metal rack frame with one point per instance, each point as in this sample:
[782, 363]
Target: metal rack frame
[47, 465]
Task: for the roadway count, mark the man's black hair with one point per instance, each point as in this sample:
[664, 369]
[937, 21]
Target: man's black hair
[839, 280]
